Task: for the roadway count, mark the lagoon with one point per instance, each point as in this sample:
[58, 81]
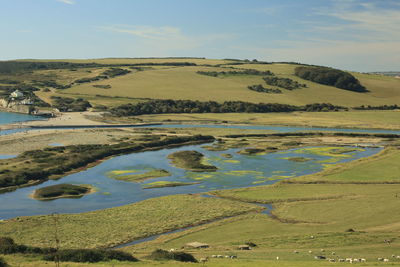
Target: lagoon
[236, 172]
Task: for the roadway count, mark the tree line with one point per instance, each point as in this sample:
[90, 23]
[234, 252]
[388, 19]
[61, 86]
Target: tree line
[331, 77]
[235, 72]
[285, 83]
[8, 67]
[189, 106]
[261, 89]
[383, 107]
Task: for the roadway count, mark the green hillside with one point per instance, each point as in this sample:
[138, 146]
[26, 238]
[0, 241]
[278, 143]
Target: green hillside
[160, 79]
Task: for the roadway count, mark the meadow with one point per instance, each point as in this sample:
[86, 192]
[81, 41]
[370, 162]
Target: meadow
[185, 83]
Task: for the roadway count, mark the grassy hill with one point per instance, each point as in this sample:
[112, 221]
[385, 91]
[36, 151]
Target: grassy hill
[183, 82]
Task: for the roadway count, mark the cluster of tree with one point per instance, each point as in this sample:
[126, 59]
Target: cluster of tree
[322, 107]
[260, 88]
[102, 86]
[234, 72]
[9, 81]
[330, 76]
[40, 164]
[89, 255]
[51, 83]
[162, 255]
[8, 246]
[114, 72]
[66, 104]
[383, 107]
[3, 263]
[285, 83]
[189, 106]
[110, 73]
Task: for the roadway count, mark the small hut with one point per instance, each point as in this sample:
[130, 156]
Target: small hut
[244, 247]
[196, 245]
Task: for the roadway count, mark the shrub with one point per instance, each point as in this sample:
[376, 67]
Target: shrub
[160, 255]
[3, 263]
[332, 77]
[90, 255]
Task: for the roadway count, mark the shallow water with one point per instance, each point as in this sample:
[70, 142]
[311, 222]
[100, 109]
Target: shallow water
[8, 117]
[240, 171]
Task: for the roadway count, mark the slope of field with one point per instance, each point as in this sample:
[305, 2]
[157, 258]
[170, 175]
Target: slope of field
[185, 83]
[350, 119]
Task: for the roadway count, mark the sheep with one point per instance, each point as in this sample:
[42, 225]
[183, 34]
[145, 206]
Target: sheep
[349, 260]
[355, 260]
[295, 252]
[214, 256]
[220, 256]
[385, 260]
[380, 259]
[363, 260]
[310, 251]
[277, 258]
[233, 257]
[342, 260]
[332, 260]
[203, 260]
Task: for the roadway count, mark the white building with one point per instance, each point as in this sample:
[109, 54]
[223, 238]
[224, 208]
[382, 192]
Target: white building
[17, 94]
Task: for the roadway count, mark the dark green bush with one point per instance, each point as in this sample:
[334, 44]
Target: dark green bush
[160, 255]
[90, 255]
[332, 77]
[8, 246]
[285, 83]
[3, 263]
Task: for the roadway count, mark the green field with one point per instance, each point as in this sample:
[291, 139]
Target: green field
[185, 83]
[349, 119]
[110, 227]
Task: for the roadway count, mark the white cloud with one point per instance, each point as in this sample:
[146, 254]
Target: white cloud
[69, 2]
[165, 39]
[366, 21]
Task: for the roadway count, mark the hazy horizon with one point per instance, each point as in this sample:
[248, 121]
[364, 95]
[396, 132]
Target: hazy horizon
[347, 34]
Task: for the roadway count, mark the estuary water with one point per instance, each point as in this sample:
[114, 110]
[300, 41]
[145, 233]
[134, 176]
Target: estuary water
[235, 172]
[8, 117]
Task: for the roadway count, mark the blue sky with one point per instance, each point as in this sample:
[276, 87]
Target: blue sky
[361, 35]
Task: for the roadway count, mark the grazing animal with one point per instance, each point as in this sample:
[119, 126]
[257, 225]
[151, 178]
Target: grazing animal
[332, 260]
[295, 252]
[380, 259]
[385, 260]
[214, 256]
[363, 260]
[277, 258]
[310, 251]
[342, 260]
[333, 253]
[355, 260]
[349, 260]
[203, 260]
[220, 256]
[322, 250]
[233, 257]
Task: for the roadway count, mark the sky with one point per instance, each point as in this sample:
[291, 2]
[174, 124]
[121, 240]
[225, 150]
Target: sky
[357, 35]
